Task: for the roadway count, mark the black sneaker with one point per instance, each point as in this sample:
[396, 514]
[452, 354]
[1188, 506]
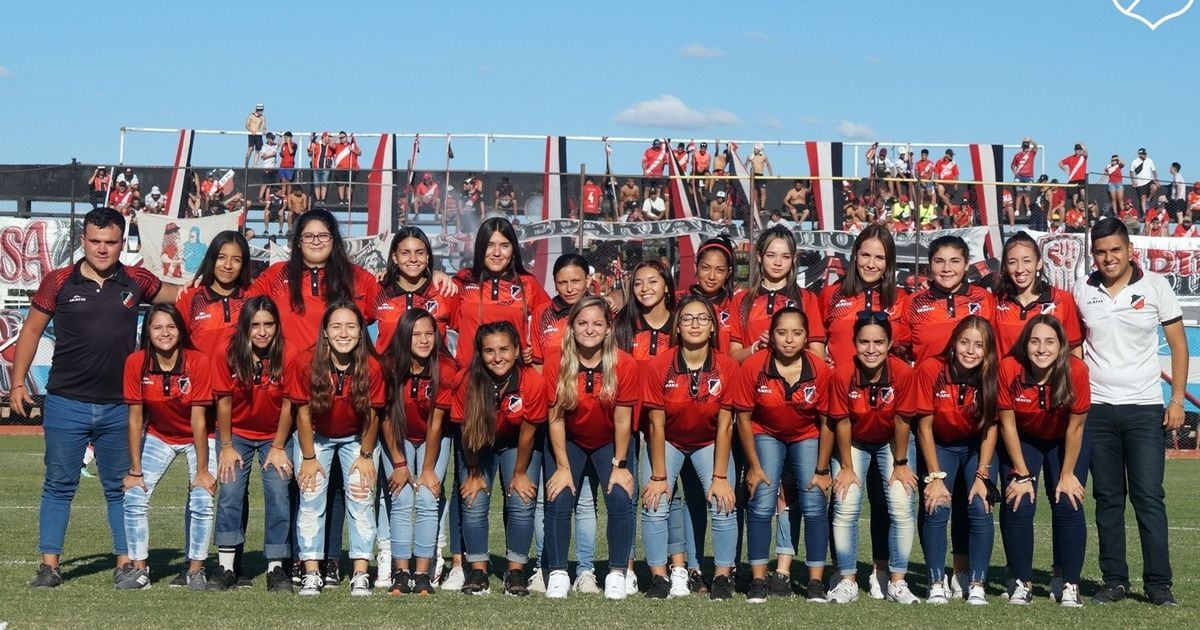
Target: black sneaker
[696, 582]
[422, 584]
[400, 583]
[222, 580]
[816, 591]
[477, 583]
[180, 581]
[333, 573]
[51, 577]
[759, 591]
[1110, 594]
[515, 583]
[722, 588]
[779, 585]
[122, 571]
[278, 581]
[1162, 597]
[244, 581]
[297, 572]
[660, 587]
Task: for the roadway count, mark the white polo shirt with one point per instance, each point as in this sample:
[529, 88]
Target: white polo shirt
[1121, 346]
[1145, 175]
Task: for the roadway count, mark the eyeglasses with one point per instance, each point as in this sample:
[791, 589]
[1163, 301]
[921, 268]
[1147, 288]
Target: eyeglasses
[316, 239]
[880, 317]
[699, 320]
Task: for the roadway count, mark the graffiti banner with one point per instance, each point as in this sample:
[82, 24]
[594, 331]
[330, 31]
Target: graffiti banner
[1176, 258]
[29, 249]
[368, 252]
[174, 248]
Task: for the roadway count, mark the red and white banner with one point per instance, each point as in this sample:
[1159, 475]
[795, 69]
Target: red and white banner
[546, 252]
[824, 161]
[987, 160]
[380, 189]
[183, 159]
[681, 208]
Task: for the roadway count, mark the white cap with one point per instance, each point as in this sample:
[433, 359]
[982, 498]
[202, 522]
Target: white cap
[721, 194]
[259, 106]
[758, 146]
[155, 191]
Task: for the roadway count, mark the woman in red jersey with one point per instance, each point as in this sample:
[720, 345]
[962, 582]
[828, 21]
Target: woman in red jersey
[715, 271]
[409, 283]
[253, 418]
[337, 388]
[643, 325]
[1023, 293]
[954, 402]
[499, 405]
[1043, 400]
[869, 285]
[549, 319]
[689, 394]
[864, 399]
[496, 288]
[932, 314]
[168, 388]
[594, 389]
[774, 286]
[782, 400]
[211, 308]
[421, 373]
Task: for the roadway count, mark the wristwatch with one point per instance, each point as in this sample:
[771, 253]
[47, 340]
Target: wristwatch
[933, 476]
[620, 463]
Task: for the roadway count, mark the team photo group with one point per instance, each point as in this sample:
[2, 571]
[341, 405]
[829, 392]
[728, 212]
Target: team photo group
[721, 424]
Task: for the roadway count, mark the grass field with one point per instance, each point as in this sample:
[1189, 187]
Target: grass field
[89, 600]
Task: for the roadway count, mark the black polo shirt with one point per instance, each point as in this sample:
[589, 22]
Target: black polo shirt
[95, 329]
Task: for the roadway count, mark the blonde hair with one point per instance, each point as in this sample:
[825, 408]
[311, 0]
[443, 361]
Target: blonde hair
[567, 387]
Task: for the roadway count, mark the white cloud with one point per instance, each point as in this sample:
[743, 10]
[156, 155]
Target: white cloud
[700, 51]
[771, 121]
[5, 72]
[855, 131]
[669, 111]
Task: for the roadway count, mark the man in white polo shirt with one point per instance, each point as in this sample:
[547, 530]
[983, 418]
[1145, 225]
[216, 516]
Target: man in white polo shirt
[1123, 306]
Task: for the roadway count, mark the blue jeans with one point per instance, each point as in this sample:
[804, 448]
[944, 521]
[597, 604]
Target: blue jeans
[901, 509]
[1128, 449]
[68, 426]
[597, 467]
[230, 503]
[585, 523]
[1068, 525]
[311, 519]
[654, 522]
[415, 536]
[801, 457]
[156, 458]
[518, 514]
[959, 460]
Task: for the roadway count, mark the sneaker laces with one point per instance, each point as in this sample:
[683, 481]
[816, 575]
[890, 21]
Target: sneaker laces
[310, 580]
[360, 580]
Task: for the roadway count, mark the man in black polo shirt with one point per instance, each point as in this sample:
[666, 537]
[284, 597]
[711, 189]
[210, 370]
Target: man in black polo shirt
[94, 304]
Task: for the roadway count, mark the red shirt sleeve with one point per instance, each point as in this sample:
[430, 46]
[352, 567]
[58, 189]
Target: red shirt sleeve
[816, 316]
[133, 378]
[737, 332]
[1070, 319]
[366, 282]
[201, 393]
[823, 377]
[839, 393]
[538, 407]
[1081, 382]
[449, 379]
[296, 379]
[919, 399]
[652, 382]
[222, 380]
[901, 335]
[743, 386]
[1009, 369]
[458, 399]
[628, 384]
[537, 295]
[47, 294]
[377, 388]
[729, 372]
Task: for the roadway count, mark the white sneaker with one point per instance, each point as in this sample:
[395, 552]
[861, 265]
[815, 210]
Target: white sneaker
[454, 580]
[679, 582]
[586, 583]
[537, 584]
[1010, 585]
[614, 585]
[559, 585]
[360, 584]
[958, 585]
[1070, 596]
[437, 570]
[631, 584]
[383, 566]
[937, 594]
[898, 592]
[976, 596]
[1021, 595]
[875, 582]
[845, 592]
[310, 584]
[1056, 589]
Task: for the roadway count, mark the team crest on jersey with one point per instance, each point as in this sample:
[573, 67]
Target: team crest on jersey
[428, 391]
[810, 392]
[724, 318]
[887, 395]
[1048, 308]
[431, 306]
[127, 299]
[973, 308]
[714, 386]
[789, 304]
[515, 403]
[185, 385]
[515, 291]
[1138, 302]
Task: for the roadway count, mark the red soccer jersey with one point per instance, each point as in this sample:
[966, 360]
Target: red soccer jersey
[649, 342]
[256, 405]
[871, 407]
[788, 413]
[420, 399]
[493, 300]
[924, 169]
[523, 399]
[746, 330]
[946, 170]
[549, 327]
[1076, 168]
[592, 194]
[654, 162]
[167, 398]
[1076, 218]
[691, 399]
[391, 303]
[841, 313]
[1030, 402]
[726, 309]
[211, 318]
[300, 329]
[340, 420]
[952, 402]
[1010, 317]
[1022, 162]
[932, 315]
[590, 424]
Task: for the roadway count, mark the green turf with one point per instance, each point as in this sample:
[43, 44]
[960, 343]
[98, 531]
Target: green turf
[89, 600]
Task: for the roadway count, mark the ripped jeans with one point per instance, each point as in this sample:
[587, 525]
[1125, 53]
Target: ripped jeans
[157, 456]
[310, 521]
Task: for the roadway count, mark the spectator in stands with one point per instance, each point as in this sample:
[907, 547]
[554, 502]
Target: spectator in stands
[1057, 198]
[99, 183]
[654, 165]
[1076, 217]
[701, 182]
[901, 217]
[273, 212]
[852, 224]
[505, 198]
[120, 197]
[877, 167]
[256, 124]
[1130, 216]
[1144, 177]
[927, 212]
[962, 215]
[924, 170]
[759, 164]
[1157, 218]
[1075, 166]
[1115, 181]
[1178, 191]
[1006, 204]
[270, 163]
[903, 170]
[345, 163]
[630, 197]
[297, 203]
[720, 210]
[681, 155]
[653, 208]
[1193, 202]
[901, 207]
[592, 196]
[128, 177]
[429, 195]
[777, 220]
[1022, 170]
[1186, 228]
[287, 163]
[1056, 224]
[320, 157]
[945, 174]
[796, 201]
[155, 202]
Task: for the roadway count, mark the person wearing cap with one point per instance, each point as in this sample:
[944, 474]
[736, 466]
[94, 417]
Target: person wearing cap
[653, 208]
[1022, 170]
[256, 124]
[1115, 179]
[759, 164]
[120, 197]
[701, 160]
[796, 201]
[1143, 175]
[155, 202]
[654, 165]
[1075, 166]
[923, 170]
[1056, 225]
[1158, 217]
[320, 157]
[945, 175]
[1186, 228]
[720, 210]
[269, 154]
[287, 163]
[99, 183]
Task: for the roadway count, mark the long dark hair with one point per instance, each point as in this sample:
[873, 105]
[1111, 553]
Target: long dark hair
[392, 274]
[724, 247]
[241, 358]
[185, 340]
[853, 284]
[1005, 287]
[790, 288]
[780, 314]
[339, 271]
[479, 427]
[714, 340]
[1062, 394]
[627, 318]
[398, 359]
[206, 274]
[988, 370]
[322, 391]
[516, 267]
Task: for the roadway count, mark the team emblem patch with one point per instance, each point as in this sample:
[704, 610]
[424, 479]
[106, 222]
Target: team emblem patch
[714, 386]
[973, 308]
[1138, 302]
[810, 392]
[428, 391]
[127, 299]
[431, 306]
[515, 291]
[515, 403]
[887, 395]
[1048, 309]
[724, 318]
[185, 385]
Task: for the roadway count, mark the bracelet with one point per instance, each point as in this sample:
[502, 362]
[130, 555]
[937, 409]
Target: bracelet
[134, 474]
[982, 476]
[821, 472]
[653, 478]
[400, 464]
[226, 443]
[365, 455]
[279, 448]
[901, 462]
[309, 459]
[716, 476]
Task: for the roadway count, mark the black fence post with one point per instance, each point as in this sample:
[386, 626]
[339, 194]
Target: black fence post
[74, 182]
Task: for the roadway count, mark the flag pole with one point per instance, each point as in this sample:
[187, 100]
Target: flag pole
[446, 185]
[582, 194]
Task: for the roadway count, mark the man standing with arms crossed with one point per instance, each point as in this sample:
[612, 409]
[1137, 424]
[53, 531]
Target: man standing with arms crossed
[94, 305]
[1122, 307]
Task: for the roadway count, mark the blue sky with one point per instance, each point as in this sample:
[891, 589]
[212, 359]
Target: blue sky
[72, 74]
